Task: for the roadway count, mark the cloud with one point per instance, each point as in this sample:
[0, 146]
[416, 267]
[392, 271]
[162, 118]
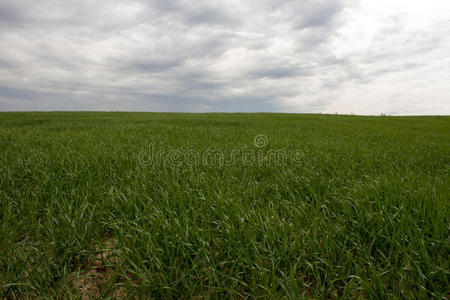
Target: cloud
[258, 55]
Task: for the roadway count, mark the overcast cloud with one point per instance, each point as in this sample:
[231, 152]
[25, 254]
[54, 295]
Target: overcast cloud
[345, 56]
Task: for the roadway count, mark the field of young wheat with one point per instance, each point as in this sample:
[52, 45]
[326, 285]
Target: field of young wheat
[158, 205]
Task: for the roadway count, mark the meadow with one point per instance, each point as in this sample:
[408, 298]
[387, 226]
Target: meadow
[161, 205]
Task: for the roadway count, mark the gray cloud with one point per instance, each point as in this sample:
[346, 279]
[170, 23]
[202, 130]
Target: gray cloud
[257, 55]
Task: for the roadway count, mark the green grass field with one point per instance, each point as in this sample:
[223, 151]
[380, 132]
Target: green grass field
[133, 205]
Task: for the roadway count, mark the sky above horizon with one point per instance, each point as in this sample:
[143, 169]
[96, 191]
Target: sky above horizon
[342, 56]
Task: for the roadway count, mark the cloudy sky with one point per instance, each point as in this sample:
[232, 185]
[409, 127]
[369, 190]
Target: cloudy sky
[349, 56]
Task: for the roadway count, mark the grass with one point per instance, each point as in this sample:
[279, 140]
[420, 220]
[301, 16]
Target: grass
[86, 210]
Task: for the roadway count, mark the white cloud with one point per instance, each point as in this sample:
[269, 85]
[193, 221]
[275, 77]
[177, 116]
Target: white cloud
[365, 57]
